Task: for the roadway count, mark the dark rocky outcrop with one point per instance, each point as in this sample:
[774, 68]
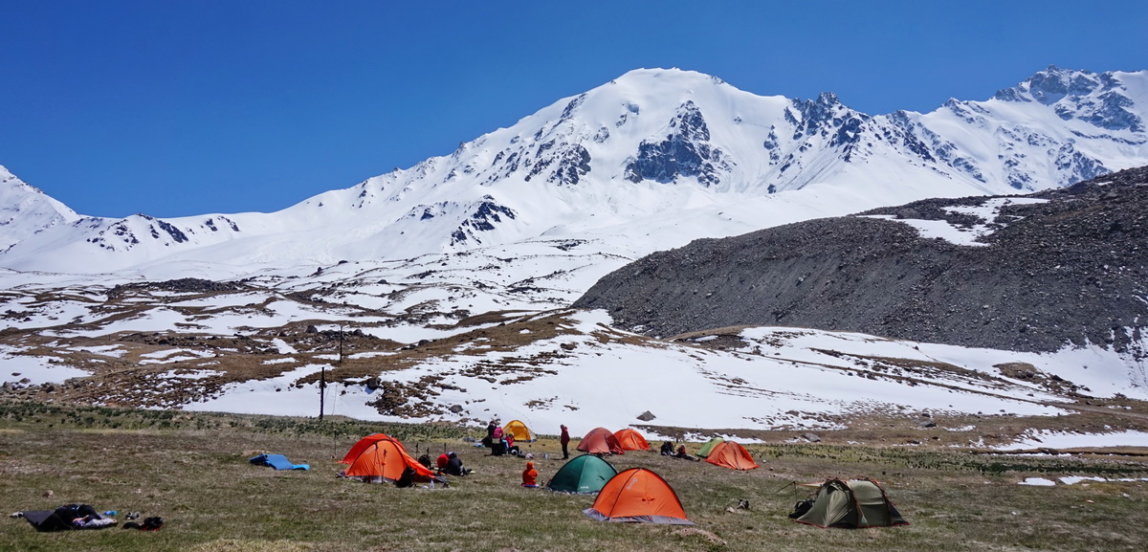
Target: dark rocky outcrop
[1071, 270]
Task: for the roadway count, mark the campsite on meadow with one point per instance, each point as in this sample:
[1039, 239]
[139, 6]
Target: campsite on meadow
[193, 471]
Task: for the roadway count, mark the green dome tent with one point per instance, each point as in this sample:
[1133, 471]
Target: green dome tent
[706, 448]
[585, 474]
[852, 504]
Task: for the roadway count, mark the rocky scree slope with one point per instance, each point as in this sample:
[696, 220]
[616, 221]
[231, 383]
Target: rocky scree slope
[1072, 268]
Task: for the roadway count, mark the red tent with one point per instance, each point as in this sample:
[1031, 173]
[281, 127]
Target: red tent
[600, 441]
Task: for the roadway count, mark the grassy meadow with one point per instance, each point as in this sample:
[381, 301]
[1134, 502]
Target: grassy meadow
[191, 469]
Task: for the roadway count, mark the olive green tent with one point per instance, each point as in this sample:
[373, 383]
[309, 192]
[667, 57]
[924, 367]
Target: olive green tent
[585, 474]
[852, 504]
[706, 448]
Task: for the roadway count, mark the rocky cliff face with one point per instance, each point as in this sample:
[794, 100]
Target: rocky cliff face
[1031, 273]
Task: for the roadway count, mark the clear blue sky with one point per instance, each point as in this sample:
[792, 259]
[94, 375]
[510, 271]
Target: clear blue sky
[182, 107]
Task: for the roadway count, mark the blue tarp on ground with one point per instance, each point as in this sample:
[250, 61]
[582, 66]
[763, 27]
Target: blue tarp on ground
[277, 461]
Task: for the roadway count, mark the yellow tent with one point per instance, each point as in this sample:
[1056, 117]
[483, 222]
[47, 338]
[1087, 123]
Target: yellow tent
[519, 431]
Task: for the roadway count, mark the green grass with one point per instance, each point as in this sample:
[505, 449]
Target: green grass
[191, 469]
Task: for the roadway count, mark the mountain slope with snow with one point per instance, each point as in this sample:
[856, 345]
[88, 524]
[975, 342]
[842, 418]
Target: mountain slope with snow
[648, 161]
[26, 211]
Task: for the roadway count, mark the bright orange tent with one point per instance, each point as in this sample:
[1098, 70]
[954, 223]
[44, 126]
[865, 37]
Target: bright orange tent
[382, 460]
[638, 495]
[729, 454]
[630, 439]
[362, 445]
[600, 441]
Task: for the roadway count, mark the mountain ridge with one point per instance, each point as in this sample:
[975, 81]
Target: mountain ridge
[650, 144]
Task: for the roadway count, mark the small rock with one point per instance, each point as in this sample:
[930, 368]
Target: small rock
[48, 493]
[811, 437]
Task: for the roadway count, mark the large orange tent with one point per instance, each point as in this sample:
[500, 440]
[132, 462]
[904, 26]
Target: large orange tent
[638, 495]
[382, 460]
[362, 445]
[519, 431]
[600, 441]
[630, 439]
[729, 454]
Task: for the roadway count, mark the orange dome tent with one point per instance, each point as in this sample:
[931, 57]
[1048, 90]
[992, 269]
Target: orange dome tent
[630, 439]
[729, 454]
[638, 495]
[381, 460]
[362, 445]
[600, 441]
[519, 431]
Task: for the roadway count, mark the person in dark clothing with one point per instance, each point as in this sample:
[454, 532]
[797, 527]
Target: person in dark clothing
[565, 440]
[454, 466]
[426, 461]
[407, 479]
[667, 449]
[488, 441]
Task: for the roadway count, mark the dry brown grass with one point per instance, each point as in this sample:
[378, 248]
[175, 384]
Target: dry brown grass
[192, 470]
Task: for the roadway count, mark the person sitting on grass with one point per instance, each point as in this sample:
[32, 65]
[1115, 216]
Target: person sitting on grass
[510, 448]
[684, 455]
[530, 476]
[454, 466]
[667, 449]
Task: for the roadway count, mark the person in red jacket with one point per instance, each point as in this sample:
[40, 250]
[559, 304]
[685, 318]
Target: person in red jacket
[442, 461]
[565, 440]
[530, 476]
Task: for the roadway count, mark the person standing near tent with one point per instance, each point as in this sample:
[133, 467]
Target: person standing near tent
[530, 476]
[489, 441]
[565, 440]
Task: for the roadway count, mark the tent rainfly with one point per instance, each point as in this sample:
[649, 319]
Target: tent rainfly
[381, 460]
[600, 441]
[519, 431]
[630, 439]
[585, 474]
[852, 504]
[729, 454]
[708, 446]
[638, 495]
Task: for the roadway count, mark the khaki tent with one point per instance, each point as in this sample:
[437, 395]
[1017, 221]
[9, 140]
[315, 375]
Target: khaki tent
[638, 495]
[379, 458]
[855, 503]
[600, 441]
[630, 439]
[519, 431]
[729, 454]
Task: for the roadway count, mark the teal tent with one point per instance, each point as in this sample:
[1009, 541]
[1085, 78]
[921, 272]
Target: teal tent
[584, 474]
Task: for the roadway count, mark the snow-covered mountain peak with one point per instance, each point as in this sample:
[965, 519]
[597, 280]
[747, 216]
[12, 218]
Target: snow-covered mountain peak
[651, 160]
[25, 210]
[1104, 100]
